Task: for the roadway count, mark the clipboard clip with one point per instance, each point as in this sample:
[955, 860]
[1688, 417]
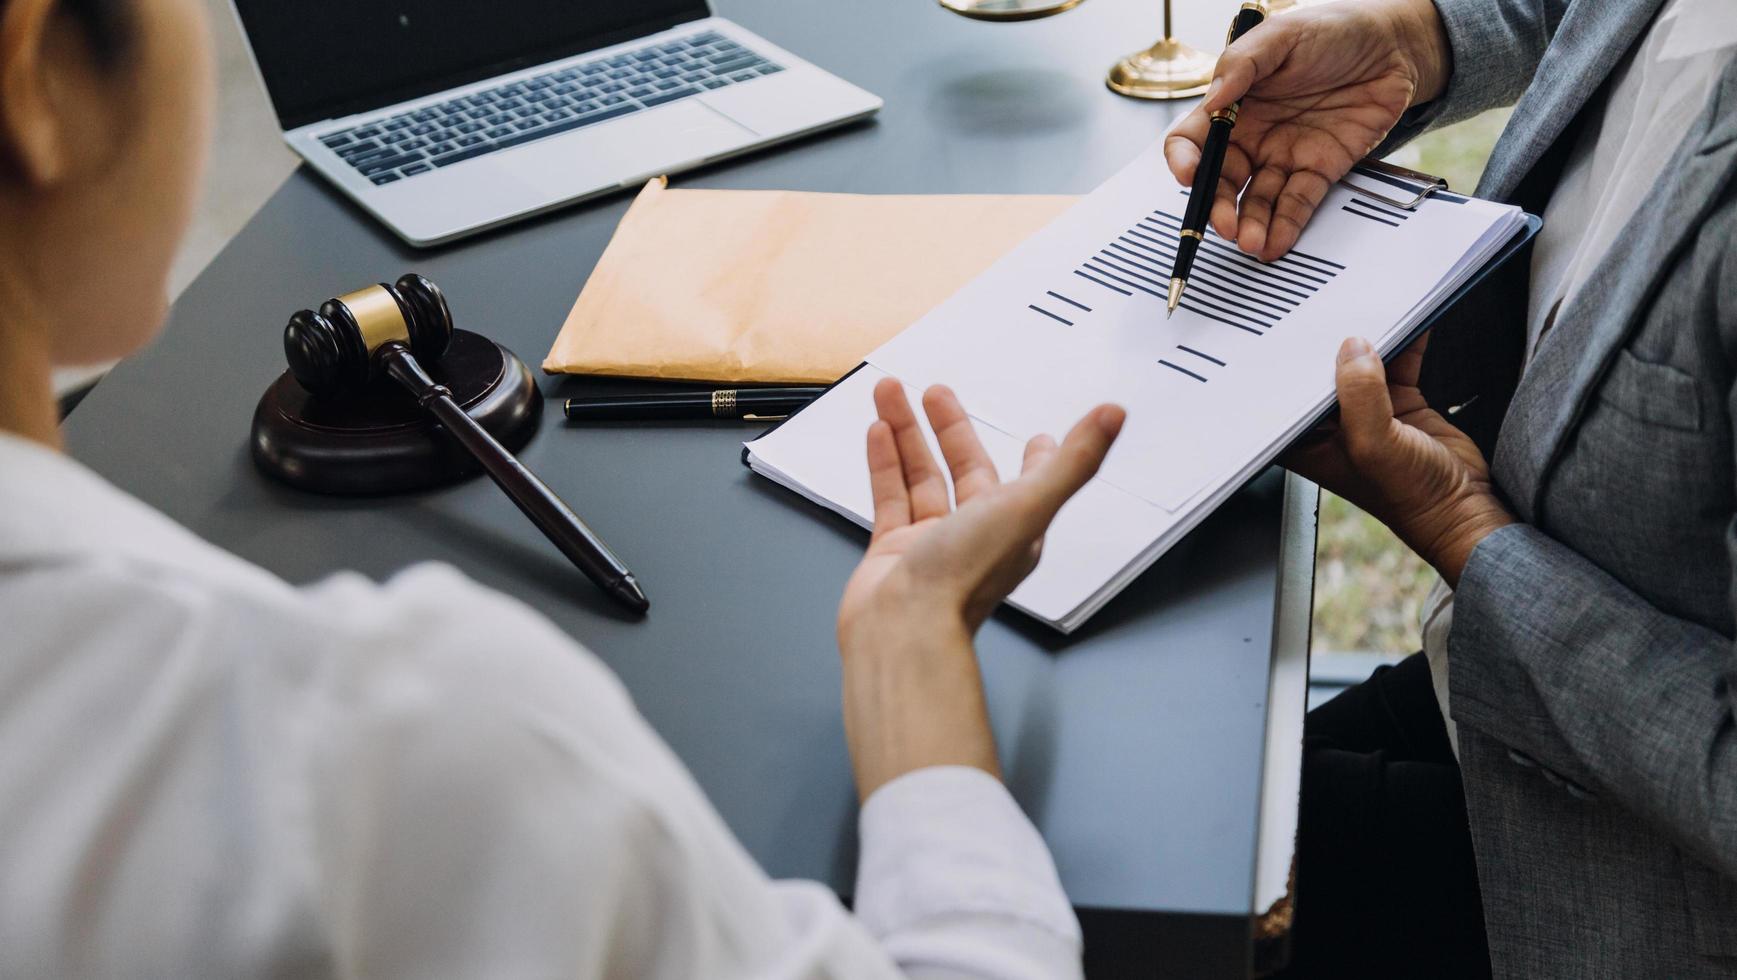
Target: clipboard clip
[1419, 184]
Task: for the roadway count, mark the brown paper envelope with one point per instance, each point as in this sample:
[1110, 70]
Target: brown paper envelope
[778, 286]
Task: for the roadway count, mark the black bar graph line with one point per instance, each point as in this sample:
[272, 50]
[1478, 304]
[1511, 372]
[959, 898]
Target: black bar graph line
[1127, 268]
[1112, 275]
[1184, 370]
[1386, 209]
[1189, 306]
[1371, 217]
[1107, 274]
[1170, 225]
[1218, 308]
[1289, 262]
[1285, 261]
[1252, 273]
[1291, 298]
[1289, 274]
[1214, 292]
[1052, 316]
[1283, 274]
[1168, 256]
[1293, 253]
[1143, 261]
[1315, 258]
[1114, 289]
[1166, 252]
[1207, 279]
[1274, 267]
[1198, 354]
[1145, 235]
[1210, 264]
[1070, 302]
[1210, 280]
[1361, 208]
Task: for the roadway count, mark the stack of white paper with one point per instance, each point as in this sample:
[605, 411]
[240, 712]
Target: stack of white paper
[1075, 317]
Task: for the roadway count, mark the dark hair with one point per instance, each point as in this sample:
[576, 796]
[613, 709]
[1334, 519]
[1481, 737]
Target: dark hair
[106, 25]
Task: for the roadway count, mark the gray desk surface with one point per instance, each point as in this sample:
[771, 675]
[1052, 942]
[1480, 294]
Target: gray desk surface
[1135, 745]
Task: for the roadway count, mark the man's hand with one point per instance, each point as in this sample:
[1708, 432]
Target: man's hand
[913, 696]
[1320, 88]
[1400, 460]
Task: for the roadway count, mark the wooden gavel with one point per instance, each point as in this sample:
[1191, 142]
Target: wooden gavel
[392, 329]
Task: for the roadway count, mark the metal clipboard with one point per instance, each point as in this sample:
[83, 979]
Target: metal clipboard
[1381, 180]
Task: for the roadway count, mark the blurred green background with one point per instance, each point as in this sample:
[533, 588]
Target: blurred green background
[1368, 587]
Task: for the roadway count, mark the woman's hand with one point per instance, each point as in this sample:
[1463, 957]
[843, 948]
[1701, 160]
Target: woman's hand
[913, 696]
[1400, 460]
[1320, 88]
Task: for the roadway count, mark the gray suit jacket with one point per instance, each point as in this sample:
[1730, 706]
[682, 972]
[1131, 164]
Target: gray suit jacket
[1593, 675]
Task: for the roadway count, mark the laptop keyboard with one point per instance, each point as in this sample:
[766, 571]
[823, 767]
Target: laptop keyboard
[559, 101]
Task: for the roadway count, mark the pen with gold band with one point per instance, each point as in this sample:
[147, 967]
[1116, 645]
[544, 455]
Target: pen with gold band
[747, 404]
[1200, 196]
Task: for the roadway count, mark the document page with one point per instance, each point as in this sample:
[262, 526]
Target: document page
[1102, 531]
[1075, 317]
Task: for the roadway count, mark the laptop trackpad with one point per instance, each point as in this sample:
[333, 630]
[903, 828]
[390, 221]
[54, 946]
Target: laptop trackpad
[644, 144]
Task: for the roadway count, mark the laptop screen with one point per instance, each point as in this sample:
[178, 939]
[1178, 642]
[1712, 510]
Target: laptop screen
[327, 58]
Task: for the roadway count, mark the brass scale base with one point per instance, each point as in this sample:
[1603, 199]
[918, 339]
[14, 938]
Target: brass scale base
[1167, 70]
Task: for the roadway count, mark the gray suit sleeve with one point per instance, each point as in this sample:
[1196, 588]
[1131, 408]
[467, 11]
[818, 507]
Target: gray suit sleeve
[1497, 45]
[1558, 660]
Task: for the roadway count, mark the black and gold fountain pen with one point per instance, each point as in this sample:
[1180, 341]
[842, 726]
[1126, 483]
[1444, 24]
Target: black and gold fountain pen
[748, 404]
[1195, 218]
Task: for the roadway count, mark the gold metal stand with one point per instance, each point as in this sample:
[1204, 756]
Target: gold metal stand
[1008, 10]
[1166, 70]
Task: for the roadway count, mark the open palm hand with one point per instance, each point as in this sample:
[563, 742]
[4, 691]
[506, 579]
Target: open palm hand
[913, 695]
[928, 562]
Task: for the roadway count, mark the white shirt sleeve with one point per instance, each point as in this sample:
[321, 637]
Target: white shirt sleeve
[488, 803]
[956, 882]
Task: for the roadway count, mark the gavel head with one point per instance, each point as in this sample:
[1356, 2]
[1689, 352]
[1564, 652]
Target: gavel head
[335, 350]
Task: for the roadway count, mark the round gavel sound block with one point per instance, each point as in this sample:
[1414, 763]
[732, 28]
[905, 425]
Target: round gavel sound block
[373, 439]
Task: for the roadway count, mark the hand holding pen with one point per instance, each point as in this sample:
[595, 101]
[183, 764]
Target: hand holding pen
[1317, 89]
[1209, 169]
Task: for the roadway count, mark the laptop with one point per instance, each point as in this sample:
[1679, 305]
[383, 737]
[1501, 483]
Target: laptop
[443, 118]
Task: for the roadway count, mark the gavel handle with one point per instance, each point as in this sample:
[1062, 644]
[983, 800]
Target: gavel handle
[552, 516]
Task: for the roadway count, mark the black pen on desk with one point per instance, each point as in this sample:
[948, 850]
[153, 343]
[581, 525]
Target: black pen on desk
[1200, 196]
[751, 404]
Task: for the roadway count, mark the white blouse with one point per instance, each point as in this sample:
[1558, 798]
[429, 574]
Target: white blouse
[207, 772]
